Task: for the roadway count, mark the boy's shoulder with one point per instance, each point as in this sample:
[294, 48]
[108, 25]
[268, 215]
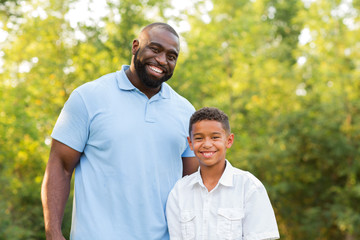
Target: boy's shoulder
[245, 177]
[187, 180]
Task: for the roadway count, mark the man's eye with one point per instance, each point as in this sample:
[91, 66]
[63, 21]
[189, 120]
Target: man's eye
[155, 50]
[171, 58]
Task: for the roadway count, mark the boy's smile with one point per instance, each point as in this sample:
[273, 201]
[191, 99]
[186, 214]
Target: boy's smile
[209, 142]
[207, 154]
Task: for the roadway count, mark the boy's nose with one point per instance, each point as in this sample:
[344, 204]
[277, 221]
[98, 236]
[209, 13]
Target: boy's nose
[207, 142]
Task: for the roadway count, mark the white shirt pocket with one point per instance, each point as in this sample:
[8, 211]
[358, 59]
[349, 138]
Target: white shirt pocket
[187, 221]
[229, 223]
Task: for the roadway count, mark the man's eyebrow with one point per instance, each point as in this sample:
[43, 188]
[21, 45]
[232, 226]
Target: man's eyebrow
[162, 47]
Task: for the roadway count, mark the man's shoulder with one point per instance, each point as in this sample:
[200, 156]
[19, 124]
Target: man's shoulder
[179, 98]
[99, 82]
[98, 88]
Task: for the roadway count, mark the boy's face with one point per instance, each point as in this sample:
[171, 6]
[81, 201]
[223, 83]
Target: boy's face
[209, 142]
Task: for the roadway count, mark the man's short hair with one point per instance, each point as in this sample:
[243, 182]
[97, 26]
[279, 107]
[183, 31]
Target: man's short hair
[161, 25]
[210, 113]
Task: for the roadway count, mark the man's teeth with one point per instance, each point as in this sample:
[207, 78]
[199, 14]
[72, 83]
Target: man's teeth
[156, 69]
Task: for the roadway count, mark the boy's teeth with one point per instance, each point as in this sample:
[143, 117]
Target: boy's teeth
[208, 154]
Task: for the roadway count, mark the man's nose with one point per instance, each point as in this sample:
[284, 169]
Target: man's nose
[161, 58]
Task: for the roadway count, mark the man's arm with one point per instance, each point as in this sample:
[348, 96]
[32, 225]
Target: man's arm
[56, 187]
[190, 165]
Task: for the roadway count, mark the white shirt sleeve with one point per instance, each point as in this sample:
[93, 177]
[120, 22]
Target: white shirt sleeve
[173, 216]
[260, 222]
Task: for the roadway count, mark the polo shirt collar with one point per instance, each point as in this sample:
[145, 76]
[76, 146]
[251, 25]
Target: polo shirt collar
[165, 91]
[125, 84]
[225, 180]
[123, 81]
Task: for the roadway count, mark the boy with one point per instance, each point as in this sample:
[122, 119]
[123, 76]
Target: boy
[218, 201]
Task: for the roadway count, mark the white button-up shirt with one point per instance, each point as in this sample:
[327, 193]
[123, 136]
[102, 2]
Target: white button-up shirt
[237, 208]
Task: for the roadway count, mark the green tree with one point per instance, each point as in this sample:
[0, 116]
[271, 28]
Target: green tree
[321, 134]
[34, 57]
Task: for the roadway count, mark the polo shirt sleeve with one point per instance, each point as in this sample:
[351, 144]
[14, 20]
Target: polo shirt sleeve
[188, 152]
[71, 128]
[260, 222]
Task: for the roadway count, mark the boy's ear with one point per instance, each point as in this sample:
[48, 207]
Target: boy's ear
[190, 143]
[230, 140]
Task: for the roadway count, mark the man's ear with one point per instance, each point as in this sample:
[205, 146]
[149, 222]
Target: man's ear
[190, 143]
[135, 46]
[230, 140]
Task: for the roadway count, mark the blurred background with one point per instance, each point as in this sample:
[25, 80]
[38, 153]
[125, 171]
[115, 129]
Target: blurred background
[287, 72]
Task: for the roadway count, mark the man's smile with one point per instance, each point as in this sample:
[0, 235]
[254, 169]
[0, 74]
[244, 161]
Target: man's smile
[155, 70]
[158, 70]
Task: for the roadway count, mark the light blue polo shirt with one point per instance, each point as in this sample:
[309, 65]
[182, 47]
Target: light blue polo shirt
[132, 148]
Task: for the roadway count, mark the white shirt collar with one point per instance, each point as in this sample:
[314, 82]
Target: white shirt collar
[227, 176]
[225, 180]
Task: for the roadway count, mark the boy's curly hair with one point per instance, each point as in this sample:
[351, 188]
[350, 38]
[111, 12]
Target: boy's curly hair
[210, 113]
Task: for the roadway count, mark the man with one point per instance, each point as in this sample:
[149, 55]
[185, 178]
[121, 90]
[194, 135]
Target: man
[126, 135]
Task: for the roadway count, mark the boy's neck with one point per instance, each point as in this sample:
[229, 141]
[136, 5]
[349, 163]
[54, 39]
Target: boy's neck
[211, 175]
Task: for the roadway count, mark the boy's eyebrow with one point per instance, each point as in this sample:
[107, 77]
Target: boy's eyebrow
[197, 134]
[202, 133]
[162, 47]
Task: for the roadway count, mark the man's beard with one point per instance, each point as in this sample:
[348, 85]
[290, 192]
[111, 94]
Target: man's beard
[144, 77]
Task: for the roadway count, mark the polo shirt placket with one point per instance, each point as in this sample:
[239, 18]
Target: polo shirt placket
[150, 108]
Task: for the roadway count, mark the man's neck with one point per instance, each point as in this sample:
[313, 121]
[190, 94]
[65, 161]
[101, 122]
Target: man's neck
[134, 79]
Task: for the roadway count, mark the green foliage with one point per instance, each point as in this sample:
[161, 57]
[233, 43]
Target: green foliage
[293, 103]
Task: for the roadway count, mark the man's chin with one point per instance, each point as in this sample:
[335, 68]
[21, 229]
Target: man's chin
[154, 83]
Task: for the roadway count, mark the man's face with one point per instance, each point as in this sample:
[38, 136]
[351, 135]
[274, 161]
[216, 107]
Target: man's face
[156, 57]
[147, 79]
